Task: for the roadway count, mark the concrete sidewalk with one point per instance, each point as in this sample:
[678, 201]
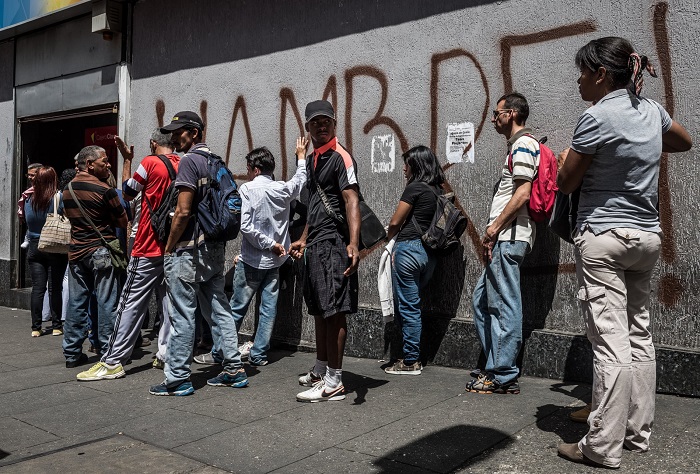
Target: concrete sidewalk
[51, 423]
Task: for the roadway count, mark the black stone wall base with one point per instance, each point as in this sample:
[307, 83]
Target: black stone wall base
[12, 297]
[548, 354]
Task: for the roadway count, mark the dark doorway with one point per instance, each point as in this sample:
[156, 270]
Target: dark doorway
[54, 141]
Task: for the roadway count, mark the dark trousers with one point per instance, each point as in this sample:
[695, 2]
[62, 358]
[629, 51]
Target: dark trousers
[43, 268]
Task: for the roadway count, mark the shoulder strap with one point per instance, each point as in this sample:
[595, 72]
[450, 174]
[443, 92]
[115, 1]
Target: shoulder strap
[322, 195]
[55, 203]
[169, 165]
[82, 211]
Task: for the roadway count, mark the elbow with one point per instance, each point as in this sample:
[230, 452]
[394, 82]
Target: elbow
[563, 186]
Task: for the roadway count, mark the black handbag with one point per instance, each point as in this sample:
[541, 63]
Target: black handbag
[563, 220]
[371, 229]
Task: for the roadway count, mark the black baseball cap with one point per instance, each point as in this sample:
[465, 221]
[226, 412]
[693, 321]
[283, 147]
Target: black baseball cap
[183, 119]
[319, 107]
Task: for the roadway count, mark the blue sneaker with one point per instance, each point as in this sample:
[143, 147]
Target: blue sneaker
[179, 390]
[224, 379]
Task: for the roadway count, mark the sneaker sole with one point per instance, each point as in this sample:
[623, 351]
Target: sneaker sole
[334, 398]
[181, 393]
[232, 385]
[118, 375]
[483, 392]
[403, 372]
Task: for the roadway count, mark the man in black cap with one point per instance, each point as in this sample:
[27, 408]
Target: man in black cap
[194, 271]
[331, 248]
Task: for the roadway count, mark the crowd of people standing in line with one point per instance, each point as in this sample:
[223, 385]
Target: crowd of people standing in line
[613, 162]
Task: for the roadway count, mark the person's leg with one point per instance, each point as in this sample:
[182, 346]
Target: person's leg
[336, 334]
[482, 318]
[65, 295]
[408, 263]
[57, 269]
[603, 298]
[215, 307]
[164, 314]
[107, 290]
[268, 312]
[182, 296]
[246, 281]
[38, 270]
[75, 326]
[143, 274]
[643, 391]
[505, 305]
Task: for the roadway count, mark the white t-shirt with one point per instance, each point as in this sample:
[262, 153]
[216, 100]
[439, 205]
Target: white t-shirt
[526, 159]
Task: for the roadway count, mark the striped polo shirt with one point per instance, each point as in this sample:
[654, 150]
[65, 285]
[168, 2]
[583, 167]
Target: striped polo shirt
[525, 151]
[101, 203]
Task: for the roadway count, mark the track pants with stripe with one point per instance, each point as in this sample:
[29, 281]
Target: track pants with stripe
[144, 274]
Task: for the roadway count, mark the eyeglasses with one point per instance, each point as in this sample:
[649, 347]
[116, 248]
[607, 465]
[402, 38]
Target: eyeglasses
[496, 113]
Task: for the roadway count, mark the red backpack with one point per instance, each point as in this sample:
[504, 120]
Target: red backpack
[544, 184]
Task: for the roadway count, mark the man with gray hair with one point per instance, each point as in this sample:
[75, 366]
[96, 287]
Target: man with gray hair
[94, 211]
[145, 270]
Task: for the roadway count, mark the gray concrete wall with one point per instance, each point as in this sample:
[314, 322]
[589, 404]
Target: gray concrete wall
[407, 69]
[7, 139]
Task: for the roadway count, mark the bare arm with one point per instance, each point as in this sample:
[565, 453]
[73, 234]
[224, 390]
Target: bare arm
[296, 249]
[572, 166]
[351, 197]
[677, 139]
[127, 153]
[397, 220]
[183, 212]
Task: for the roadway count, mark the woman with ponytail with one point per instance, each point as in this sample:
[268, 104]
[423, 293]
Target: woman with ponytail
[614, 158]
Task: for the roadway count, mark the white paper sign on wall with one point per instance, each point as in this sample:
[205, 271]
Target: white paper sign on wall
[383, 156]
[460, 142]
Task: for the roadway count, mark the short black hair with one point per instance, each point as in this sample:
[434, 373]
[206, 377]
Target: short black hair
[424, 166]
[262, 159]
[518, 103]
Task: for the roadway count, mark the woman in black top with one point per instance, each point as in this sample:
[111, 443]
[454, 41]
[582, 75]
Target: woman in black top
[44, 267]
[411, 264]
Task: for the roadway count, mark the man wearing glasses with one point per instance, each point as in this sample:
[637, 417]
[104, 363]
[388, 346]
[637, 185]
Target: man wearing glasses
[509, 235]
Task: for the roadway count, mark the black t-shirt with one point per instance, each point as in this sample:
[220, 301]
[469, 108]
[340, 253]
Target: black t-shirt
[420, 195]
[335, 171]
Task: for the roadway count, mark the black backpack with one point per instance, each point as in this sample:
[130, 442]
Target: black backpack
[448, 225]
[219, 211]
[162, 216]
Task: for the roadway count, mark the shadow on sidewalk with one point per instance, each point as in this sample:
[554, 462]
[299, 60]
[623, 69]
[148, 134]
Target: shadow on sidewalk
[555, 419]
[445, 450]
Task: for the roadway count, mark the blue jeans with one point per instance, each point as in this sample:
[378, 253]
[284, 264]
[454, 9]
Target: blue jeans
[91, 273]
[411, 269]
[498, 310]
[196, 277]
[246, 282]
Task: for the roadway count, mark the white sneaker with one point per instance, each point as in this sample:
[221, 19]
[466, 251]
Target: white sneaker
[309, 379]
[318, 393]
[244, 349]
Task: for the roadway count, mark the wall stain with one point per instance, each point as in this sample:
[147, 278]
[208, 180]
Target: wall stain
[160, 111]
[287, 97]
[670, 286]
[378, 119]
[203, 107]
[239, 106]
[331, 91]
[508, 42]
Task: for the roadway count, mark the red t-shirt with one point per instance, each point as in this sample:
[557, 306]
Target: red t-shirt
[152, 180]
